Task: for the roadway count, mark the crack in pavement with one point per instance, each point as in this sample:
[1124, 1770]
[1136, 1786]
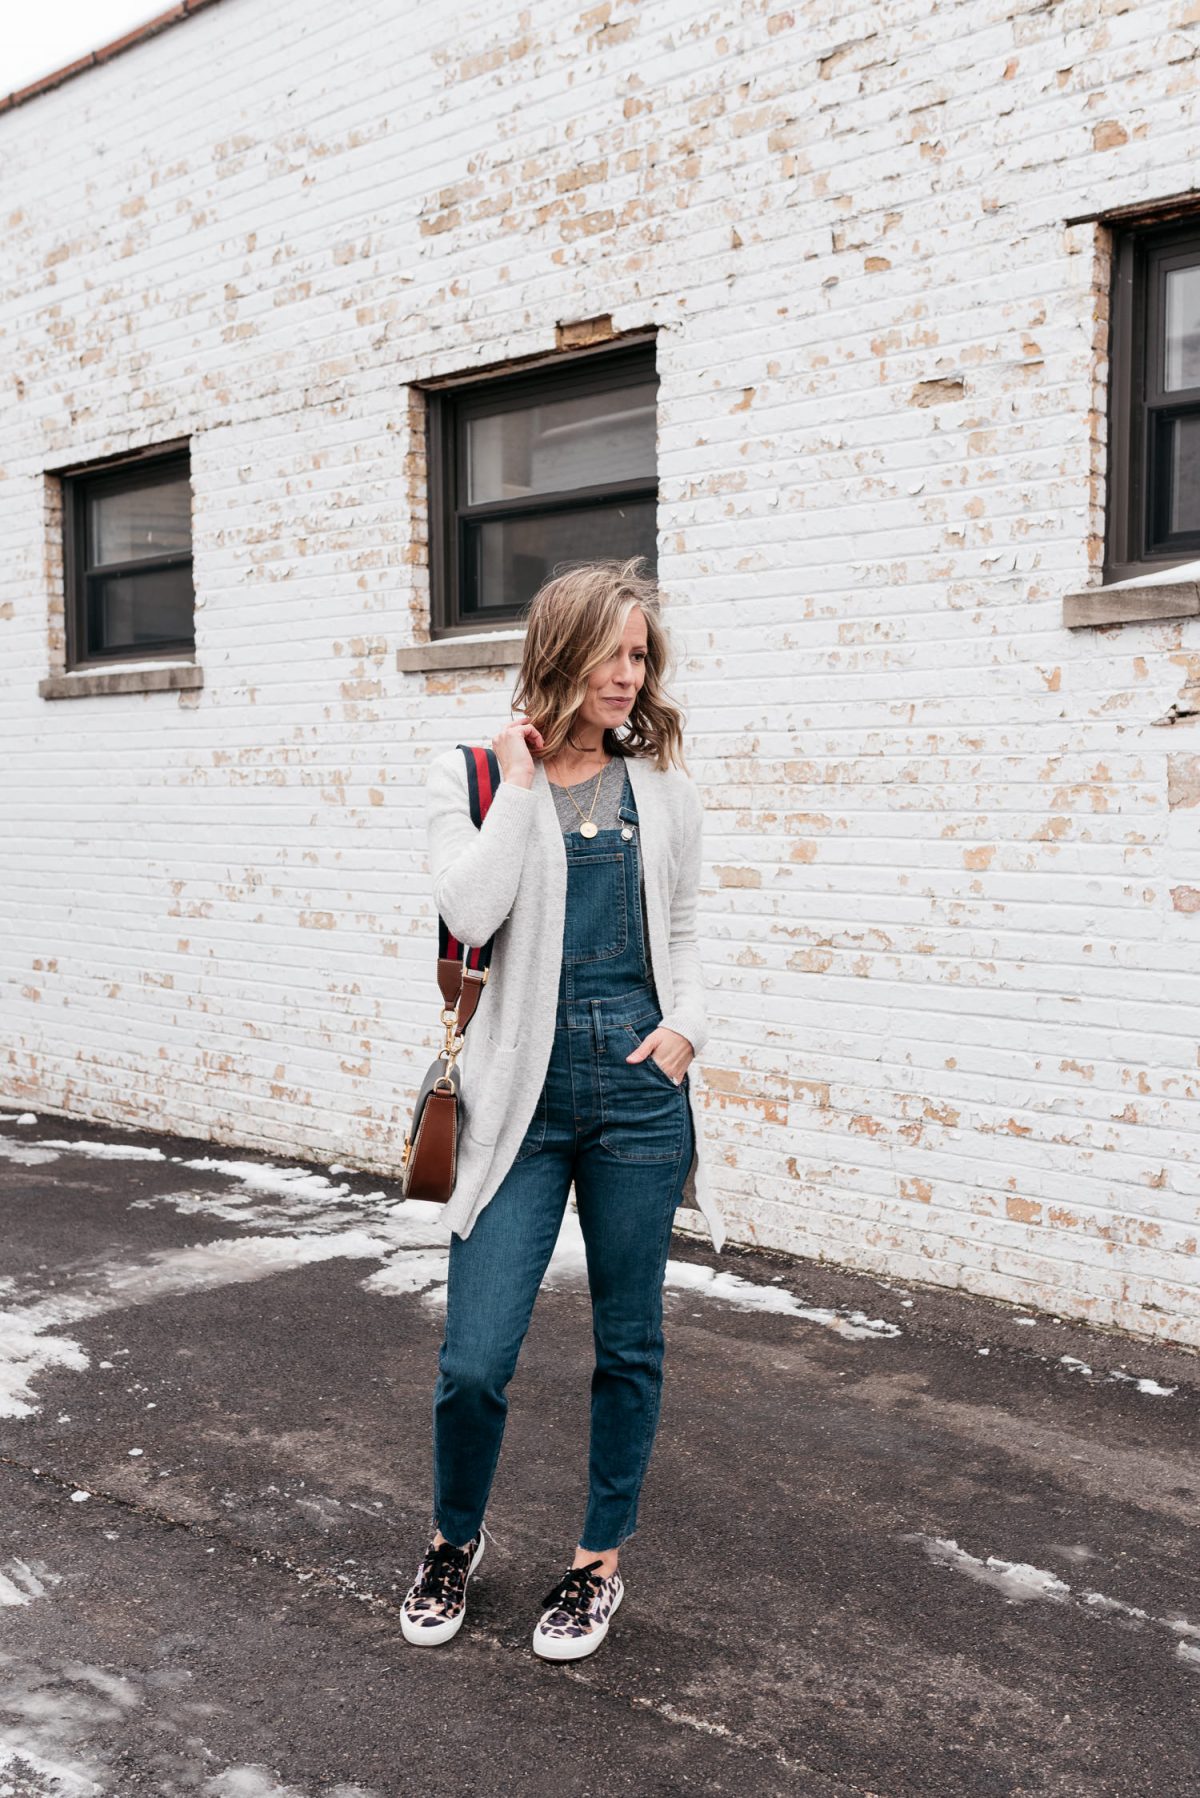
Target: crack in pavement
[272, 1557]
[672, 1714]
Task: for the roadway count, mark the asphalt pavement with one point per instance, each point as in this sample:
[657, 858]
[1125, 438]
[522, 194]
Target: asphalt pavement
[895, 1540]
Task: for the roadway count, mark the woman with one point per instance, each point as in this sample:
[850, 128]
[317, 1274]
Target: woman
[575, 1069]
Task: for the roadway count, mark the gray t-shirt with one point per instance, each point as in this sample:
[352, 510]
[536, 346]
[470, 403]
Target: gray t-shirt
[605, 816]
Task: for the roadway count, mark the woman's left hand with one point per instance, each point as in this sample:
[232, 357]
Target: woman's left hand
[671, 1051]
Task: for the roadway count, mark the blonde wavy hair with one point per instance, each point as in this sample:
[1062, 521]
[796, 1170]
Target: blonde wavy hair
[574, 622]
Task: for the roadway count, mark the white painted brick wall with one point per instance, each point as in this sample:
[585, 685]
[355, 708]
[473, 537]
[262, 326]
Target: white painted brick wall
[947, 904]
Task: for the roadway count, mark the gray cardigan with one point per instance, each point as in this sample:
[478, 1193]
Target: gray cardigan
[510, 878]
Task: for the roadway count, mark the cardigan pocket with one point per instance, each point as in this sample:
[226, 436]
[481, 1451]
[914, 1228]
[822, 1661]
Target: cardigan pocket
[489, 1097]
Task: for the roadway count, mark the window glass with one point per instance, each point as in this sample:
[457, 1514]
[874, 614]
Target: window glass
[1184, 505]
[583, 440]
[133, 522]
[131, 609]
[1182, 350]
[508, 559]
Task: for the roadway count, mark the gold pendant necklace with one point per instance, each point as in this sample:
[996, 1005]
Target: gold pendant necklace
[587, 828]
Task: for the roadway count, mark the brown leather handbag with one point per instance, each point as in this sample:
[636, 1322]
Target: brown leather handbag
[430, 1157]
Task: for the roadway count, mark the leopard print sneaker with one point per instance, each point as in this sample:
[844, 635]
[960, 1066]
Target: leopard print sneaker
[436, 1603]
[577, 1614]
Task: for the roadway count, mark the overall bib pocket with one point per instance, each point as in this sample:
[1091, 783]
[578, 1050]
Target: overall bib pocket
[599, 921]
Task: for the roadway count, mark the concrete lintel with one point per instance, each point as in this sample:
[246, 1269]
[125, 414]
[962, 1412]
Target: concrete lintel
[1131, 605]
[174, 677]
[451, 652]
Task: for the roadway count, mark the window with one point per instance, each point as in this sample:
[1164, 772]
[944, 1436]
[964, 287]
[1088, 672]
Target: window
[1154, 400]
[128, 559]
[532, 472]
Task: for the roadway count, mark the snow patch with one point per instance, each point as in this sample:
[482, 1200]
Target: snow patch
[748, 1295]
[267, 1176]
[1145, 1385]
[29, 1343]
[104, 1151]
[248, 1782]
[1019, 1581]
[421, 1270]
[295, 1195]
[51, 1713]
[23, 1581]
[46, 1714]
[25, 1154]
[259, 1782]
[28, 1347]
[1149, 1386]
[1099, 1601]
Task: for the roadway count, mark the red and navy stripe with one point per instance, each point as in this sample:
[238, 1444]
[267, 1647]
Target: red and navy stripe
[483, 782]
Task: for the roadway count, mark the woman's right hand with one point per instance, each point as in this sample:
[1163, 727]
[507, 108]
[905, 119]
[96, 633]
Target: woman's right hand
[512, 744]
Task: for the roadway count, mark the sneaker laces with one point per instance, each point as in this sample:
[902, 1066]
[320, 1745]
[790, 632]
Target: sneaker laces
[576, 1590]
[442, 1574]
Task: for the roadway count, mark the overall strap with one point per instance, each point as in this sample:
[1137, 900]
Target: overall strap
[461, 969]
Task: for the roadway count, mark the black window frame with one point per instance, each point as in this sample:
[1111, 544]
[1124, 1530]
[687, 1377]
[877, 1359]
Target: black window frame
[448, 408]
[142, 468]
[1139, 408]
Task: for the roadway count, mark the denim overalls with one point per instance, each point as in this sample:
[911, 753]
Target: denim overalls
[623, 1133]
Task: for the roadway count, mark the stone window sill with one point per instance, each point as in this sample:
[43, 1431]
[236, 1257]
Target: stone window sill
[491, 651]
[1132, 602]
[85, 683]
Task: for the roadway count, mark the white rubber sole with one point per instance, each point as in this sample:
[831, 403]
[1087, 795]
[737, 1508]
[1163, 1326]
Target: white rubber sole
[574, 1648]
[429, 1635]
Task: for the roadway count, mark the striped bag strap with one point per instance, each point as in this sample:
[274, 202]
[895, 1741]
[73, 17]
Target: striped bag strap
[462, 968]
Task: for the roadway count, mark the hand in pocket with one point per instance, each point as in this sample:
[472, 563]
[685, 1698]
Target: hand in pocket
[671, 1052]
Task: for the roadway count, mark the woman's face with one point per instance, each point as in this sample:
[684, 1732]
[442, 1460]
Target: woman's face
[615, 684]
